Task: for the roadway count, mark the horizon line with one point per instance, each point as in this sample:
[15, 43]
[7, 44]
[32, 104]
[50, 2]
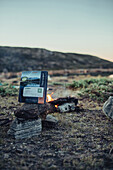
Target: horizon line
[111, 60]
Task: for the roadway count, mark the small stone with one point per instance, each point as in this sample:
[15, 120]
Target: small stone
[53, 167]
[32, 156]
[19, 150]
[49, 122]
[6, 156]
[61, 153]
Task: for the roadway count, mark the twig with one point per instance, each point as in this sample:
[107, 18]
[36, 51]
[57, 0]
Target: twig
[110, 151]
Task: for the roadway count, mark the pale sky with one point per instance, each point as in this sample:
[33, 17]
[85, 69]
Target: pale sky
[79, 26]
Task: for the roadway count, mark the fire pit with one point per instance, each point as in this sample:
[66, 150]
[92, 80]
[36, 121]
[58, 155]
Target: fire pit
[30, 118]
[65, 104]
[34, 113]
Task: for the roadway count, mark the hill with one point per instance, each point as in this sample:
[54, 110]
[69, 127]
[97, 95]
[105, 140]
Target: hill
[16, 59]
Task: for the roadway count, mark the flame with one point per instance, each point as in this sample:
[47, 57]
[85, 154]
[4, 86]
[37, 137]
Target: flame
[49, 97]
[56, 106]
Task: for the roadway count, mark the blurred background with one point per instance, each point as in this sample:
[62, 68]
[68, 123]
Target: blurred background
[68, 37]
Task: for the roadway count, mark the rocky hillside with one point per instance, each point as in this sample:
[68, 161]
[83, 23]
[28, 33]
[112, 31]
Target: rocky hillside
[16, 59]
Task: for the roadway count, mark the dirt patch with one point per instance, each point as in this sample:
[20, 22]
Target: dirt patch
[81, 140]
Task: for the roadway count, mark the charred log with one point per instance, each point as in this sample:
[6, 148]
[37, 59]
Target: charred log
[61, 101]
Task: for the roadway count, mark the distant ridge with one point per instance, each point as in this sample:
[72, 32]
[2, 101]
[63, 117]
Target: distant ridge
[16, 59]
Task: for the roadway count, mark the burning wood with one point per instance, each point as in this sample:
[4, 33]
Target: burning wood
[65, 104]
[34, 111]
[61, 101]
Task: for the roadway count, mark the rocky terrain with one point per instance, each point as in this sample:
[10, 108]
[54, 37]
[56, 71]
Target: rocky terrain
[82, 139]
[16, 59]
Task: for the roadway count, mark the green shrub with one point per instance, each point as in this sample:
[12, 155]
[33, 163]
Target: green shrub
[99, 89]
[8, 91]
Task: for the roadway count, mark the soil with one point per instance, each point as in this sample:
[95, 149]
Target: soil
[81, 140]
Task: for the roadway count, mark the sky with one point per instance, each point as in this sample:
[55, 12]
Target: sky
[79, 26]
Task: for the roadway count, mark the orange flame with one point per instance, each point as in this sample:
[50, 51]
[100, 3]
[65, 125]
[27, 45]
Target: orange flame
[56, 106]
[49, 98]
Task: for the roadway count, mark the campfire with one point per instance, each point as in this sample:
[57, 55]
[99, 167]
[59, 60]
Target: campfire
[66, 104]
[34, 114]
[31, 118]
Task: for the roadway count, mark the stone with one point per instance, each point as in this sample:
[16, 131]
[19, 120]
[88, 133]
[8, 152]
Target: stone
[27, 111]
[25, 129]
[30, 118]
[49, 122]
[6, 156]
[108, 107]
[34, 111]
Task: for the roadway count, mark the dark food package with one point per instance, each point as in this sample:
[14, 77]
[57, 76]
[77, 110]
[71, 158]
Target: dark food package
[33, 87]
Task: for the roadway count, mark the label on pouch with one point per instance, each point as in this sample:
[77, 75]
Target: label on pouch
[33, 91]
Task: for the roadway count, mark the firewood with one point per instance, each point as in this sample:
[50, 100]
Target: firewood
[61, 101]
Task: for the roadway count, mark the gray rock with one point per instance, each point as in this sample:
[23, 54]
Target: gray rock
[49, 122]
[51, 118]
[25, 129]
[108, 107]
